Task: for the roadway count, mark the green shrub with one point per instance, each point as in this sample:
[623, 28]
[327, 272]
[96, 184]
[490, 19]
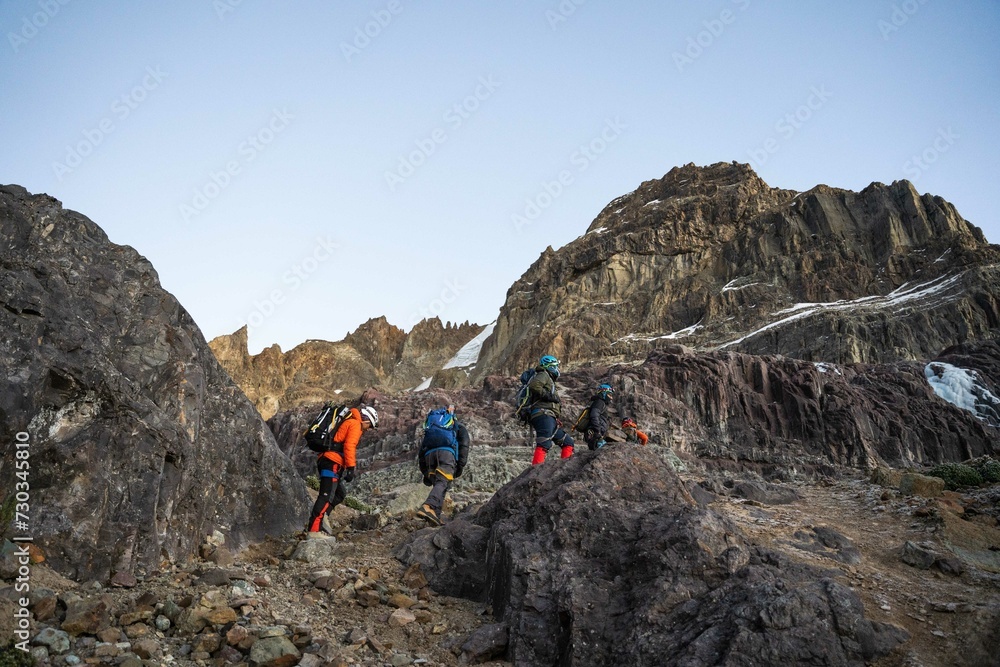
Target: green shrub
[15, 657]
[356, 504]
[956, 475]
[312, 481]
[989, 469]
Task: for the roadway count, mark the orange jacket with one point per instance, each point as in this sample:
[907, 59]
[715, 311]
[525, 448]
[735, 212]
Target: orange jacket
[348, 434]
[639, 435]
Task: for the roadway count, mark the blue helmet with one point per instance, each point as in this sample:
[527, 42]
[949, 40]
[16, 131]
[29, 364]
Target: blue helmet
[605, 389]
[551, 364]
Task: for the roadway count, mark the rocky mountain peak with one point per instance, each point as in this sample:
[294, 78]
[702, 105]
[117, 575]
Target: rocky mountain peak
[713, 257]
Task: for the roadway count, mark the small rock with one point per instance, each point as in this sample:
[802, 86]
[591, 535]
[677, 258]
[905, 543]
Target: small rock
[917, 555]
[311, 660]
[45, 608]
[236, 635]
[57, 641]
[222, 556]
[39, 653]
[138, 630]
[486, 643]
[213, 577]
[400, 660]
[274, 652]
[401, 617]
[208, 643]
[147, 648]
[915, 484]
[369, 598]
[106, 650]
[130, 661]
[401, 601]
[356, 636]
[71, 659]
[423, 616]
[162, 623]
[414, 577]
[377, 646]
[123, 580]
[273, 631]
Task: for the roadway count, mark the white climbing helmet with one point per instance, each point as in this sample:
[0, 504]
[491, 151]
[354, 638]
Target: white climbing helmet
[368, 413]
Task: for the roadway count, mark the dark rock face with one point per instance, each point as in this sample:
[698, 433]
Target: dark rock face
[605, 558]
[141, 445]
[715, 258]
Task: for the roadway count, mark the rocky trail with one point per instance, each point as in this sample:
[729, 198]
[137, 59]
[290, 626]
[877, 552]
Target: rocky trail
[346, 600]
[942, 612]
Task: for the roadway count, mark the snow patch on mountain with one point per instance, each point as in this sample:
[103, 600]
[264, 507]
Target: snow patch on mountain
[469, 354]
[963, 388]
[899, 297]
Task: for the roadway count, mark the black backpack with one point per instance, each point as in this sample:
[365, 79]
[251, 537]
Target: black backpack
[522, 399]
[318, 435]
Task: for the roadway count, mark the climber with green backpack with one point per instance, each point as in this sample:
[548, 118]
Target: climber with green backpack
[541, 406]
[444, 451]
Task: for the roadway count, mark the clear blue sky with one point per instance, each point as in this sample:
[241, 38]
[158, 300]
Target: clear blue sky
[267, 157]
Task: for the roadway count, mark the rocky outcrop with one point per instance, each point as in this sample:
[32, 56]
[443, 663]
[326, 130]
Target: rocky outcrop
[140, 444]
[377, 354]
[715, 258]
[774, 415]
[606, 559]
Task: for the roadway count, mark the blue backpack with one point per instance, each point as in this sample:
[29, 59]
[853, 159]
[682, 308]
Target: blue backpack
[440, 431]
[522, 399]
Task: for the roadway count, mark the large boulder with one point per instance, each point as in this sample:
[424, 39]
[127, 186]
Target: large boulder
[140, 444]
[605, 558]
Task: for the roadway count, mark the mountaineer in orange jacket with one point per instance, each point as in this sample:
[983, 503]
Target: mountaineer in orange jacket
[337, 464]
[632, 432]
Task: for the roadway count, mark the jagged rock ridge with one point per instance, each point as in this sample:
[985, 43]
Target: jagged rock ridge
[377, 354]
[141, 445]
[715, 258]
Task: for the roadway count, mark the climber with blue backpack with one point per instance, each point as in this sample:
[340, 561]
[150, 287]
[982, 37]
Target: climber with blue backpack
[541, 407]
[444, 451]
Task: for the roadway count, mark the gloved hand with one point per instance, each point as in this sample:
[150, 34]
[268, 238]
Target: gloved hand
[589, 435]
[428, 481]
[558, 423]
[348, 475]
[458, 470]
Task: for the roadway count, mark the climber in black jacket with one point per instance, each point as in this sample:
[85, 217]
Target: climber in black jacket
[598, 421]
